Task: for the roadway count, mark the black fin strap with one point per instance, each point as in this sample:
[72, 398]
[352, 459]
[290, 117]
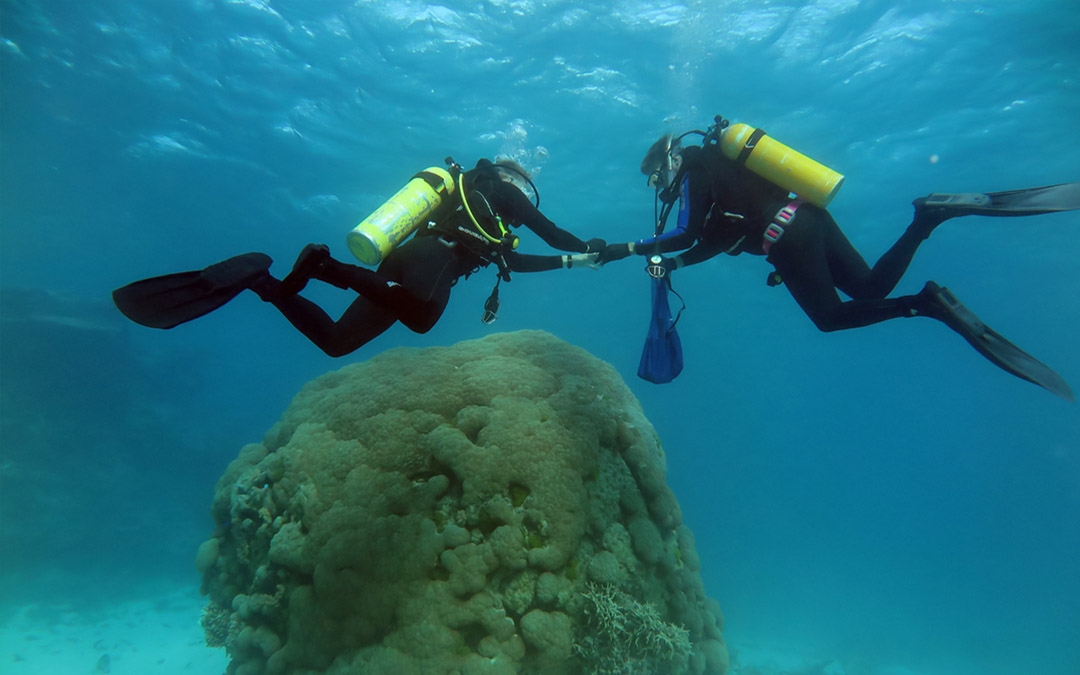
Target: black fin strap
[748, 148]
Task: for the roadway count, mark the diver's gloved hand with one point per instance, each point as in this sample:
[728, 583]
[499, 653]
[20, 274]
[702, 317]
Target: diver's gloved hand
[581, 260]
[614, 252]
[595, 245]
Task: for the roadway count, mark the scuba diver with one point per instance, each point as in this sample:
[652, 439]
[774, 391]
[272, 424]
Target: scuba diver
[454, 237]
[744, 192]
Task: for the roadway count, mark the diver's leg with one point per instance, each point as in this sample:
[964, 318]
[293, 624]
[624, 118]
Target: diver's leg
[849, 269]
[359, 324]
[315, 262]
[807, 266]
[824, 307]
[892, 265]
[932, 210]
[412, 285]
[307, 264]
[362, 322]
[383, 289]
[421, 316]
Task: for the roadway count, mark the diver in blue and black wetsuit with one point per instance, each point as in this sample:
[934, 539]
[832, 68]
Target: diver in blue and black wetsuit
[726, 208]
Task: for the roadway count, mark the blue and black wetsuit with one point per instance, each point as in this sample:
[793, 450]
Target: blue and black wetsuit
[725, 208]
[412, 285]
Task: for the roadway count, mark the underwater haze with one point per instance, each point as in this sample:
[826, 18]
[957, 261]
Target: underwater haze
[880, 500]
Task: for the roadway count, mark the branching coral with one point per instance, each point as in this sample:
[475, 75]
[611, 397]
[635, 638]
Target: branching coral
[625, 636]
[215, 622]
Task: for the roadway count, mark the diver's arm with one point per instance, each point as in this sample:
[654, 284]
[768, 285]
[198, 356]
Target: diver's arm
[694, 204]
[699, 253]
[517, 207]
[693, 211]
[524, 262]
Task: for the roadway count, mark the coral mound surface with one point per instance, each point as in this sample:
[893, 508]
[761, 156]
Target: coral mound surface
[498, 506]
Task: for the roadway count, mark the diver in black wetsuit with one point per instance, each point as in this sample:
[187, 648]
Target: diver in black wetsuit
[411, 285]
[726, 208]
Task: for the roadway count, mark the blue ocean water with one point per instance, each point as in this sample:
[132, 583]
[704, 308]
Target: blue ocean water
[883, 497]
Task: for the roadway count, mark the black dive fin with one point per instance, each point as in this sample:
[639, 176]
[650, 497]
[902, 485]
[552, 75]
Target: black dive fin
[991, 344]
[1029, 202]
[173, 299]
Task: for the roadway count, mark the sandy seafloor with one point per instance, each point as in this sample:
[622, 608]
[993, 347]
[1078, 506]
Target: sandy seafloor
[161, 634]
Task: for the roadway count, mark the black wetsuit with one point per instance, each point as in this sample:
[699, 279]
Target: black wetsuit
[725, 208]
[412, 285]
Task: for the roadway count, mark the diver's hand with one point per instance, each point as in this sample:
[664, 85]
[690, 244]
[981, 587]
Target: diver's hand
[581, 260]
[595, 245]
[614, 252]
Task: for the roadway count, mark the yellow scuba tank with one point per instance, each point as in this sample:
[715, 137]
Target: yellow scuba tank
[394, 221]
[779, 164]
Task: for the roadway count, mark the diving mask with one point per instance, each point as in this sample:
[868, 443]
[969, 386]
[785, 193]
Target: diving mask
[659, 163]
[661, 178]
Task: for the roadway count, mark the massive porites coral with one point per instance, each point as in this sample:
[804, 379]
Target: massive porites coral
[498, 506]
